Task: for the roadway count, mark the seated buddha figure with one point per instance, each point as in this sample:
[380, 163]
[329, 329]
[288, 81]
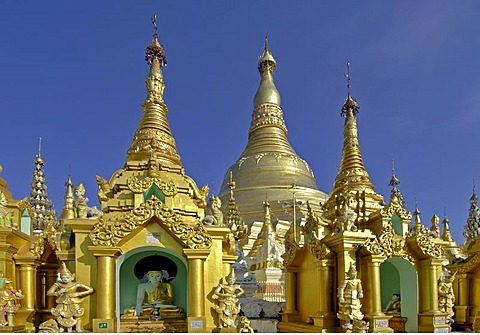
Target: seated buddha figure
[155, 294]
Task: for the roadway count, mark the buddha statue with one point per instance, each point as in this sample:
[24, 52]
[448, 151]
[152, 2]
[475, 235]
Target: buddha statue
[69, 295]
[155, 298]
[394, 306]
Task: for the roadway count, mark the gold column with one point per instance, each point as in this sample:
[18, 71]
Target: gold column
[196, 289]
[326, 317]
[28, 284]
[105, 290]
[462, 306]
[372, 302]
[291, 313]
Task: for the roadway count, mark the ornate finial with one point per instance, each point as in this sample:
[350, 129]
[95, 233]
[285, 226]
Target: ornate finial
[266, 62]
[472, 228]
[155, 50]
[446, 235]
[68, 211]
[394, 181]
[350, 103]
[39, 146]
[347, 75]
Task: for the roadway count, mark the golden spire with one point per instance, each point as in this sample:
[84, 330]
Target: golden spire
[417, 222]
[153, 137]
[267, 92]
[394, 181]
[232, 217]
[472, 228]
[352, 170]
[68, 211]
[38, 198]
[446, 235]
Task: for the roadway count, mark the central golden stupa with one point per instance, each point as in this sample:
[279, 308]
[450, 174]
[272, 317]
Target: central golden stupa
[269, 167]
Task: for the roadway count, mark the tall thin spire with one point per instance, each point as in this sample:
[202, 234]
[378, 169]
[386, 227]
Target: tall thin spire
[38, 198]
[395, 193]
[232, 217]
[153, 137]
[351, 168]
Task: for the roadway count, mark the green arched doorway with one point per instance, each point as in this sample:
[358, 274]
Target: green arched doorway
[400, 276]
[127, 272]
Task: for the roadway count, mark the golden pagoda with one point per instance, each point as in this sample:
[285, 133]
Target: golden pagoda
[269, 166]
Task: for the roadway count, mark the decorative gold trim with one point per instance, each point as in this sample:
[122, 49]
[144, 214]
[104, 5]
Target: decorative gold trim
[139, 186]
[424, 242]
[388, 244]
[291, 248]
[46, 237]
[318, 249]
[111, 230]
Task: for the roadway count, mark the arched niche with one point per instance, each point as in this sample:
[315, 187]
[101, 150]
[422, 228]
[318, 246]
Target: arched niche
[127, 280]
[400, 276]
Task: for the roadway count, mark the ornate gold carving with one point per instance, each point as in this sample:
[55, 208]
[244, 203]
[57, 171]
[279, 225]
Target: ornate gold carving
[318, 249]
[46, 237]
[110, 230]
[395, 207]
[141, 185]
[267, 114]
[290, 251]
[425, 243]
[388, 244]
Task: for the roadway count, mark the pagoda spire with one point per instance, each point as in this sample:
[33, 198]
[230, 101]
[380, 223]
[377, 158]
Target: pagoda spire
[472, 228]
[267, 229]
[153, 138]
[232, 217]
[352, 170]
[268, 132]
[446, 234]
[68, 211]
[38, 198]
[395, 193]
[352, 179]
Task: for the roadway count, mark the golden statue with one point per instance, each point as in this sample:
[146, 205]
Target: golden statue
[228, 306]
[6, 215]
[446, 296]
[350, 292]
[8, 298]
[394, 306]
[214, 213]
[68, 312]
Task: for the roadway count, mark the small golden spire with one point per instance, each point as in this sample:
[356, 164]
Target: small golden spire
[472, 228]
[232, 217]
[38, 198]
[446, 235]
[68, 211]
[153, 137]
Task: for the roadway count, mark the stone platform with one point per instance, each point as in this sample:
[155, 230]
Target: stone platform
[140, 324]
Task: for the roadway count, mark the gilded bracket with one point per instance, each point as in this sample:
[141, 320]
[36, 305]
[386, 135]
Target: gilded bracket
[139, 186]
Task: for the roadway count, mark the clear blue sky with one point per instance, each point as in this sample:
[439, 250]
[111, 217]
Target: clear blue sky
[73, 73]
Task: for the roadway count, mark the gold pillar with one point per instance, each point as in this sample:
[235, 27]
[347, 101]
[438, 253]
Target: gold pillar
[462, 305]
[28, 285]
[326, 317]
[372, 302]
[290, 314]
[105, 290]
[196, 290]
[430, 319]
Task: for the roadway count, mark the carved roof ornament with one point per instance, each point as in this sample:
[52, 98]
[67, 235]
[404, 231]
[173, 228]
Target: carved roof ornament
[232, 218]
[388, 244]
[38, 198]
[472, 228]
[112, 228]
[422, 238]
[153, 137]
[446, 234]
[48, 237]
[318, 249]
[139, 186]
